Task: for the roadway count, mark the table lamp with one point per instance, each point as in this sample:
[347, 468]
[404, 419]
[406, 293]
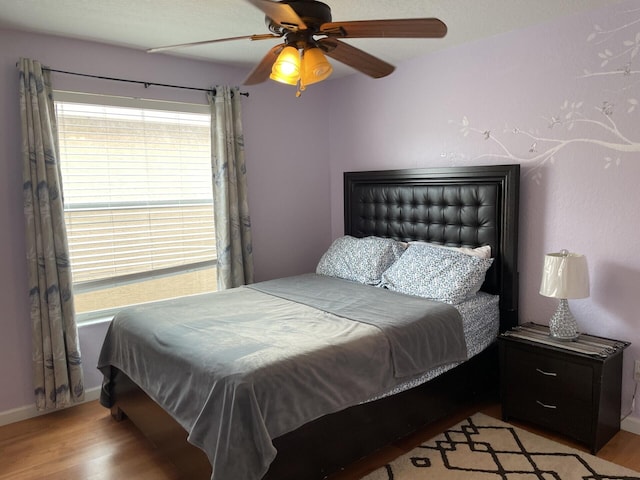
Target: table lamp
[564, 275]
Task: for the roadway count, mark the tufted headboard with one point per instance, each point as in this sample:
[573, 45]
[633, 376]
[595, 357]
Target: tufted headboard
[455, 206]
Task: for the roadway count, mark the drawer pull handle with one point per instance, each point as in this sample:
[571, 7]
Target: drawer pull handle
[548, 374]
[552, 407]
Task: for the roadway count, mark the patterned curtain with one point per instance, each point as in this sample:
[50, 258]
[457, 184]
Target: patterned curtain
[56, 352]
[231, 210]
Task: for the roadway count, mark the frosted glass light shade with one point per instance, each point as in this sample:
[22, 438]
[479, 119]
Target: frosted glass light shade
[286, 68]
[315, 66]
[565, 275]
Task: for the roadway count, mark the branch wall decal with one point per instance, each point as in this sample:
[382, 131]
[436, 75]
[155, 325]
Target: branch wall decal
[577, 121]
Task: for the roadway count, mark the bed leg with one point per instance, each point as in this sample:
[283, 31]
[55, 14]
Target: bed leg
[117, 414]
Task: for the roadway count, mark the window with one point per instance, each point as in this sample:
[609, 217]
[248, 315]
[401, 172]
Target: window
[138, 200]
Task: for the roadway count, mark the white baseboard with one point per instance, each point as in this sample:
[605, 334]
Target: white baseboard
[631, 424]
[29, 411]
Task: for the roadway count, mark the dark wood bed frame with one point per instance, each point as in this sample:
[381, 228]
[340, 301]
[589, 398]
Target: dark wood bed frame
[457, 206]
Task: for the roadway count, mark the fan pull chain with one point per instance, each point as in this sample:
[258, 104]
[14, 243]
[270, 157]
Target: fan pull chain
[301, 88]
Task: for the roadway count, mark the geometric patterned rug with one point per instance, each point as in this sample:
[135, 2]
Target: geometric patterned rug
[484, 448]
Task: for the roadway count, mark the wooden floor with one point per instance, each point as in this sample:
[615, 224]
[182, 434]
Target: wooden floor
[85, 443]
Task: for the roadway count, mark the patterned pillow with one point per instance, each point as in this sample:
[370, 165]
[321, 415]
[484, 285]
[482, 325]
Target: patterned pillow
[436, 273]
[359, 259]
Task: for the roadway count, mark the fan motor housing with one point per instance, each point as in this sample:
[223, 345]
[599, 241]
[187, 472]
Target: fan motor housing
[312, 13]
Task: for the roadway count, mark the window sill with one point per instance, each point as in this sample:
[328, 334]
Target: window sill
[94, 321]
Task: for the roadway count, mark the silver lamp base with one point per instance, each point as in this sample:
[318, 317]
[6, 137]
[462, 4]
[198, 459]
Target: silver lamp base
[562, 325]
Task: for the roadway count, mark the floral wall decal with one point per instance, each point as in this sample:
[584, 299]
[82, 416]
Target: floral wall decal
[607, 125]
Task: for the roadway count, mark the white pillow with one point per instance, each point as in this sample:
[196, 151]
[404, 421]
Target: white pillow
[482, 252]
[441, 274]
[359, 259]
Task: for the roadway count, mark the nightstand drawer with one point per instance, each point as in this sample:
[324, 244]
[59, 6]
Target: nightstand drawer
[560, 413]
[548, 378]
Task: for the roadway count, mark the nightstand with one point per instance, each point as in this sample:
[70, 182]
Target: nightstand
[573, 388]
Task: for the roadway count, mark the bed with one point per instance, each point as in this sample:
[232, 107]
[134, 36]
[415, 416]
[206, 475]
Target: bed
[466, 207]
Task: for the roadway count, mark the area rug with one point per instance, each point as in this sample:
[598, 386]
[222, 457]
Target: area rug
[484, 448]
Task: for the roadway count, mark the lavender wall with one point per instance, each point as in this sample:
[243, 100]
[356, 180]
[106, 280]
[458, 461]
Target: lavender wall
[285, 165]
[561, 99]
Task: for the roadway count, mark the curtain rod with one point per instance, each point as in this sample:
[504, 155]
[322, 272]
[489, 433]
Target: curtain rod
[146, 84]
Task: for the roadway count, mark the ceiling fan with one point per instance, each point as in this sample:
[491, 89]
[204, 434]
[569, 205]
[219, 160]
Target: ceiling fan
[309, 34]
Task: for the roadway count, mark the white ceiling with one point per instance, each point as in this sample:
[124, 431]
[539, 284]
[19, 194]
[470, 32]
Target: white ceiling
[143, 24]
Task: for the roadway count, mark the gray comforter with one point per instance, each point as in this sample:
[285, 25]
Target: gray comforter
[240, 367]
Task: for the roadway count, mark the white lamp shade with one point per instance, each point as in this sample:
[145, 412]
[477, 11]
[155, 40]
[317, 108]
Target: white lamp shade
[565, 275]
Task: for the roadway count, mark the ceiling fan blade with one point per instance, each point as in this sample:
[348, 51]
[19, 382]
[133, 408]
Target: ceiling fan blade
[356, 58]
[262, 36]
[281, 13]
[262, 71]
[401, 28]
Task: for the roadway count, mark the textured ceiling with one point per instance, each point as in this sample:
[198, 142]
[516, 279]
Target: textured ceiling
[144, 24]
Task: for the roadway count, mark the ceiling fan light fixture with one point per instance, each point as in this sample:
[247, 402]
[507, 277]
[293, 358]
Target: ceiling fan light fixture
[307, 24]
[286, 68]
[315, 66]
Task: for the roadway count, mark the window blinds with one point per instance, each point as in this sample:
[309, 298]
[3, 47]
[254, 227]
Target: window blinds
[137, 191]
